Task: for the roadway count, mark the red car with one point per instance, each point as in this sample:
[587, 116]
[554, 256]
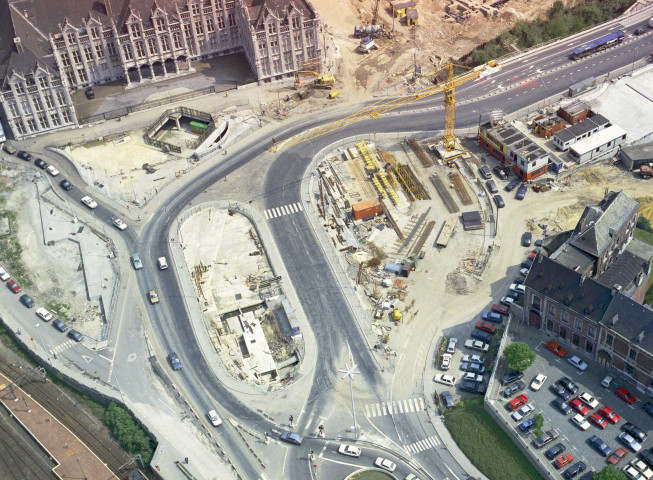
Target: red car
[625, 395]
[617, 455]
[517, 402]
[486, 327]
[532, 256]
[13, 286]
[579, 406]
[598, 420]
[501, 309]
[555, 348]
[563, 460]
[609, 414]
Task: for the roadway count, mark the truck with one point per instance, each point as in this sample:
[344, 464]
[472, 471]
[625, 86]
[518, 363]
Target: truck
[368, 31]
[646, 170]
[367, 45]
[326, 80]
[601, 43]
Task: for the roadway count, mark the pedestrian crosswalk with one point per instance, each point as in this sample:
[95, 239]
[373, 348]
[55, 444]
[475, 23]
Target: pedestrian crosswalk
[392, 408]
[61, 347]
[422, 445]
[281, 211]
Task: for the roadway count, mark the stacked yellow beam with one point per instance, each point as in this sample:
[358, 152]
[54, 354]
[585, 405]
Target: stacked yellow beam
[379, 187]
[370, 163]
[384, 181]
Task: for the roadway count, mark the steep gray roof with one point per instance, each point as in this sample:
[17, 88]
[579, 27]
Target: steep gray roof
[631, 320]
[598, 223]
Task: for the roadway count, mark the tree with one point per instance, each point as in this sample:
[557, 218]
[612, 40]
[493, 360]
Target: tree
[644, 223]
[557, 27]
[609, 472]
[537, 426]
[519, 356]
[557, 9]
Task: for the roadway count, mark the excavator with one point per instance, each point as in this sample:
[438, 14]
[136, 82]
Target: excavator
[326, 80]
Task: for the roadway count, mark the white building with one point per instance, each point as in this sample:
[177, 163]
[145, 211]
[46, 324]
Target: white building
[602, 144]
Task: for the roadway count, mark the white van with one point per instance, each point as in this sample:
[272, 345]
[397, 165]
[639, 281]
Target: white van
[163, 264]
[607, 381]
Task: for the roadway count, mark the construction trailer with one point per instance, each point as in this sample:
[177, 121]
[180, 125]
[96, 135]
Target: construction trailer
[399, 9]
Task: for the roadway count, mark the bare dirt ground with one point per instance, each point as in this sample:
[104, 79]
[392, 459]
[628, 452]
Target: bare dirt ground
[437, 38]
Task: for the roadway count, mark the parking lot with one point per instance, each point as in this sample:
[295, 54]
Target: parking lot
[575, 439]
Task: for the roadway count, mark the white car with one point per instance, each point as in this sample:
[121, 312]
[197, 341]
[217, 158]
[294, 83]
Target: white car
[451, 348]
[517, 288]
[473, 359]
[89, 202]
[537, 382]
[385, 464]
[646, 472]
[44, 314]
[588, 400]
[472, 377]
[215, 419]
[507, 301]
[52, 171]
[349, 450]
[447, 380]
[578, 363]
[522, 412]
[4, 276]
[446, 361]
[524, 271]
[163, 264]
[477, 345]
[632, 473]
[119, 224]
[580, 421]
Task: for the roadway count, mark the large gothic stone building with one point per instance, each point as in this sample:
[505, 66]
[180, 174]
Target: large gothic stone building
[50, 47]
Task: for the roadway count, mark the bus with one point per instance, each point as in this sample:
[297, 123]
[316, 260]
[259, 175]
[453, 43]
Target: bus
[606, 41]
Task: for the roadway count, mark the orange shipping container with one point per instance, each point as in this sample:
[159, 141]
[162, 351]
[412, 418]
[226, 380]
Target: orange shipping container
[366, 208]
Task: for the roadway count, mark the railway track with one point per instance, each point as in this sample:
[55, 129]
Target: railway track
[91, 432]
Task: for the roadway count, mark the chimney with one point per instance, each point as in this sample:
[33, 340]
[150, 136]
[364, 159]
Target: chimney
[582, 278]
[614, 320]
[18, 45]
[640, 337]
[107, 5]
[616, 289]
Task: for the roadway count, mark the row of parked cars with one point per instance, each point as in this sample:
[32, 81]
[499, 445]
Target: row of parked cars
[502, 173]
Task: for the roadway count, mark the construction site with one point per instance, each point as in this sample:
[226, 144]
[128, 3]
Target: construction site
[249, 321]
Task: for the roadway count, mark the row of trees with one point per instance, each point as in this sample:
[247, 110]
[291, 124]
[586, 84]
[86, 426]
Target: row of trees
[132, 437]
[560, 22]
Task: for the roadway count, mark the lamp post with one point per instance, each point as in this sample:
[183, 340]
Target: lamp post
[544, 85]
[350, 371]
[38, 331]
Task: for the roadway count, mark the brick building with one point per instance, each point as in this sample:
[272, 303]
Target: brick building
[48, 48]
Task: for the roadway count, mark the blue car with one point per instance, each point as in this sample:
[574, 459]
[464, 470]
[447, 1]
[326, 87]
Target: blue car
[174, 361]
[526, 425]
[521, 193]
[600, 445]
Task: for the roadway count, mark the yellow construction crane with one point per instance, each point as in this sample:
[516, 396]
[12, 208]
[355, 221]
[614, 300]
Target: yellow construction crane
[326, 80]
[393, 102]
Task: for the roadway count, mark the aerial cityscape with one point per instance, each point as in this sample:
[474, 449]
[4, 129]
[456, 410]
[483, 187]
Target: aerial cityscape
[326, 239]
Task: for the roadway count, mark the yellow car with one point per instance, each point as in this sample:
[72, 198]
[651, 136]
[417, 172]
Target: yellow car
[154, 298]
[334, 94]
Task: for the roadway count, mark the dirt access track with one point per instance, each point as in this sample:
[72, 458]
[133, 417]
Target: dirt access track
[437, 38]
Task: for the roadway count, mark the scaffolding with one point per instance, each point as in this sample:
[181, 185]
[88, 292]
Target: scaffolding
[409, 183]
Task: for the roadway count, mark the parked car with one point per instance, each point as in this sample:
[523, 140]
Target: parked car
[472, 387]
[647, 456]
[507, 301]
[518, 281]
[446, 361]
[498, 200]
[526, 425]
[563, 406]
[448, 380]
[385, 464]
[4, 276]
[9, 149]
[90, 94]
[648, 408]
[24, 156]
[563, 460]
[579, 406]
[477, 345]
[349, 450]
[641, 466]
[580, 421]
[538, 381]
[588, 400]
[521, 192]
[501, 309]
[560, 391]
[447, 399]
[214, 418]
[511, 377]
[59, 325]
[499, 172]
[527, 264]
[524, 271]
[522, 412]
[517, 402]
[75, 335]
[517, 288]
[526, 239]
[136, 261]
[486, 327]
[89, 202]
[482, 336]
[625, 395]
[44, 314]
[617, 455]
[39, 162]
[632, 473]
[634, 431]
[578, 363]
[491, 186]
[545, 438]
[568, 384]
[473, 359]
[598, 420]
[639, 31]
[27, 300]
[493, 317]
[557, 449]
[451, 347]
[609, 415]
[555, 348]
[512, 185]
[472, 377]
[629, 441]
[174, 361]
[575, 470]
[292, 438]
[14, 286]
[510, 390]
[66, 185]
[484, 171]
[472, 367]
